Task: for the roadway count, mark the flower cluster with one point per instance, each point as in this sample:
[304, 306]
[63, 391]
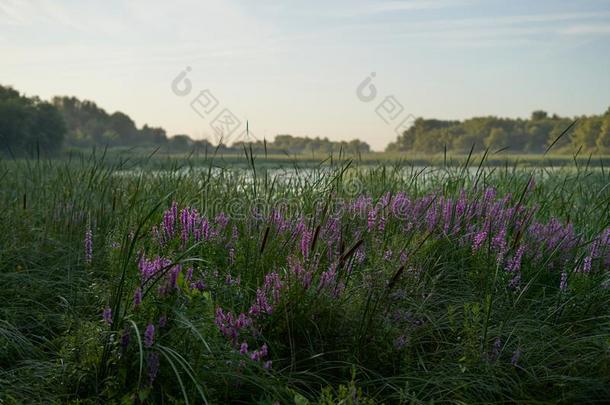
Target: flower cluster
[319, 254]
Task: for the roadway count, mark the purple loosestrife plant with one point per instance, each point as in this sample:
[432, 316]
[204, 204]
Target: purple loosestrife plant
[153, 366]
[137, 297]
[305, 243]
[478, 240]
[515, 357]
[149, 335]
[107, 315]
[125, 338]
[563, 283]
[169, 222]
[88, 245]
[514, 264]
[243, 348]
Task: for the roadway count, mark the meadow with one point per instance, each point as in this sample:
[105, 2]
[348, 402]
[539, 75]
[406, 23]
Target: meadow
[192, 280]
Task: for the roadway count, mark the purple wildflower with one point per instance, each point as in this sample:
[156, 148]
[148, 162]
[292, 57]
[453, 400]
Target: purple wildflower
[328, 277]
[107, 315]
[431, 217]
[478, 240]
[149, 335]
[404, 257]
[447, 211]
[125, 338]
[371, 219]
[515, 358]
[162, 321]
[514, 264]
[153, 366]
[305, 243]
[243, 349]
[260, 353]
[586, 266]
[400, 342]
[137, 297]
[360, 255]
[273, 285]
[515, 281]
[173, 277]
[169, 221]
[199, 285]
[230, 326]
[563, 284]
[261, 304]
[498, 243]
[88, 246]
[205, 229]
[222, 220]
[381, 224]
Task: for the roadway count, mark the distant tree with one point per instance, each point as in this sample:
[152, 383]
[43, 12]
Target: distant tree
[49, 128]
[123, 126]
[498, 138]
[90, 125]
[532, 135]
[28, 125]
[180, 143]
[603, 139]
[539, 115]
[586, 133]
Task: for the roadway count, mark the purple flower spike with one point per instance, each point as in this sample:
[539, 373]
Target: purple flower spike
[88, 246]
[149, 335]
[107, 315]
[153, 367]
[305, 243]
[125, 338]
[243, 349]
[137, 297]
[515, 359]
[563, 284]
[478, 240]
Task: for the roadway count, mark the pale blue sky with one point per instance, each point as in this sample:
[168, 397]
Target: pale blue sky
[294, 66]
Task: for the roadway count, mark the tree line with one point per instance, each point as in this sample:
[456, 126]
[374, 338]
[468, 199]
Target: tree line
[29, 125]
[533, 135]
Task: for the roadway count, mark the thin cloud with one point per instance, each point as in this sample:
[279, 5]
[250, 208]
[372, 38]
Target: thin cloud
[405, 5]
[601, 29]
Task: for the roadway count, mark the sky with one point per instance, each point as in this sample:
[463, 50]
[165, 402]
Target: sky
[311, 68]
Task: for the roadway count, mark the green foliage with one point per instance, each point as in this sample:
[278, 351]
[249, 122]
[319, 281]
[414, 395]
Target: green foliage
[349, 394]
[29, 126]
[89, 125]
[288, 144]
[534, 135]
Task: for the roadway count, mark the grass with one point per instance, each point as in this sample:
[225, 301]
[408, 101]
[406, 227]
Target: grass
[385, 301]
[500, 158]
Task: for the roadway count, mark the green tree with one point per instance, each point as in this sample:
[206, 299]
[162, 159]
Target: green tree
[498, 138]
[603, 139]
[587, 132]
[28, 125]
[539, 115]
